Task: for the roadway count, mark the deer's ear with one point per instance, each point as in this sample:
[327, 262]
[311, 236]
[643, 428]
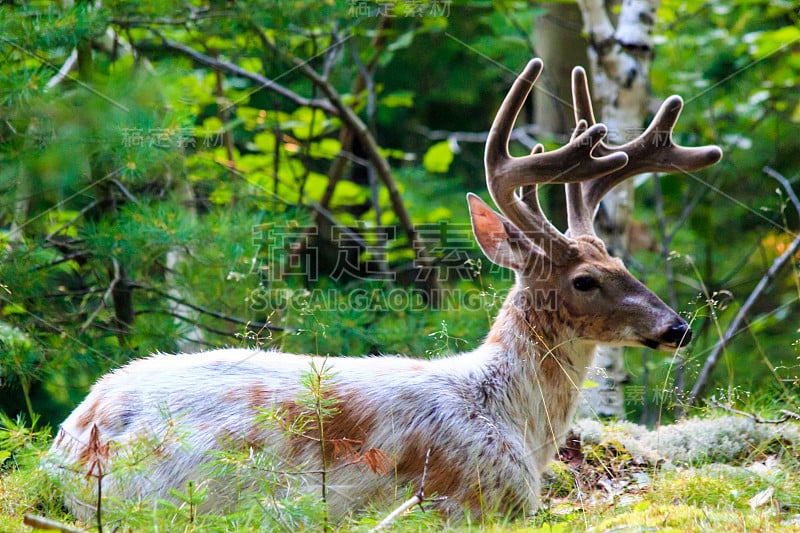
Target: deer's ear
[500, 240]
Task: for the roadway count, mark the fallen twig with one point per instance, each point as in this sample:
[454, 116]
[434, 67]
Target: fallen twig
[42, 523]
[787, 415]
[406, 505]
[417, 499]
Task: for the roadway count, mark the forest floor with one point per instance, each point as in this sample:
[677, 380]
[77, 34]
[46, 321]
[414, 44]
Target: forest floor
[722, 473]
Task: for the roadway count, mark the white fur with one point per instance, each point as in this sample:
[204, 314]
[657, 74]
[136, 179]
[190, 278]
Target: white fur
[484, 411]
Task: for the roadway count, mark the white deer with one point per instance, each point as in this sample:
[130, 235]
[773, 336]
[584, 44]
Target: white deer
[489, 420]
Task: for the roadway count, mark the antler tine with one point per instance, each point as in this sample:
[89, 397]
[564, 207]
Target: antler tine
[653, 151]
[570, 163]
[579, 217]
[581, 99]
[497, 141]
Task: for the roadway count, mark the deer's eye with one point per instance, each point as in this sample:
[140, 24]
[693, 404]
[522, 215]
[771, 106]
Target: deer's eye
[585, 283]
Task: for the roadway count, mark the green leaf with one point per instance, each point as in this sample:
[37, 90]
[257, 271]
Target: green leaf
[398, 99]
[222, 195]
[312, 122]
[393, 153]
[796, 114]
[439, 213]
[348, 193]
[211, 126]
[438, 157]
[14, 309]
[219, 43]
[253, 64]
[325, 149]
[265, 142]
[404, 41]
[60, 217]
[315, 186]
[766, 43]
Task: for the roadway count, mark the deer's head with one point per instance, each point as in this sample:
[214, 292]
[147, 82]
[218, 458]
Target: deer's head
[570, 275]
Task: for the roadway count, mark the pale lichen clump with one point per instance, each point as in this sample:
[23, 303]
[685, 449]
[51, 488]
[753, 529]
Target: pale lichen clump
[693, 441]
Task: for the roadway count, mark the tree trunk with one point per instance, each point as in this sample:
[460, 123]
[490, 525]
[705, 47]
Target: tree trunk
[192, 336]
[557, 40]
[620, 61]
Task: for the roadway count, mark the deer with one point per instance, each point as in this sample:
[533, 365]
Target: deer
[481, 426]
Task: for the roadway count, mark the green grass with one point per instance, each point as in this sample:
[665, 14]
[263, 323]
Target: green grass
[607, 488]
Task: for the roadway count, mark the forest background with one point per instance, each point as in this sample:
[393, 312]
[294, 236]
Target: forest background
[291, 175]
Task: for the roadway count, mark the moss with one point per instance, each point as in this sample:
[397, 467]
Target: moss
[681, 517]
[559, 481]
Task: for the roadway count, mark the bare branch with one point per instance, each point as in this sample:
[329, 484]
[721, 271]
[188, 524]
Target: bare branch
[772, 173]
[766, 280]
[106, 295]
[230, 68]
[125, 192]
[215, 314]
[346, 134]
[522, 134]
[787, 415]
[192, 321]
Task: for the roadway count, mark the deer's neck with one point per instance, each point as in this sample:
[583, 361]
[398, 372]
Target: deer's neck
[534, 369]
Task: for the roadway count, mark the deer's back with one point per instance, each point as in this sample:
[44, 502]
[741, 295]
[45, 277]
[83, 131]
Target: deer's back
[178, 413]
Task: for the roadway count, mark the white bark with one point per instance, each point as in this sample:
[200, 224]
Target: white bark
[620, 65]
[191, 339]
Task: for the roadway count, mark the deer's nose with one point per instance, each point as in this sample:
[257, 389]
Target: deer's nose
[678, 334]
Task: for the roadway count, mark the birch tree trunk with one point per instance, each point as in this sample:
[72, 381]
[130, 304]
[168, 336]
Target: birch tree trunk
[620, 59]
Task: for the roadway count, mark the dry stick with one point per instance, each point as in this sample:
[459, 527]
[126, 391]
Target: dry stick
[522, 134]
[713, 358]
[211, 312]
[42, 523]
[106, 295]
[264, 82]
[787, 415]
[417, 499]
[408, 504]
[124, 191]
[772, 173]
